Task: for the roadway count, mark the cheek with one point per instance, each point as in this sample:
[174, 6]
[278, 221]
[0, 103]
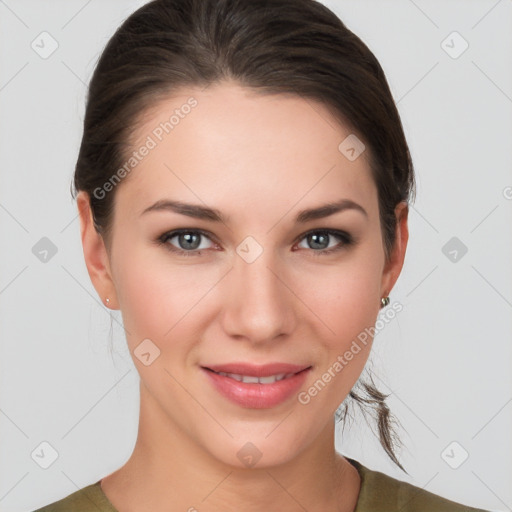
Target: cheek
[346, 306]
[345, 296]
[158, 298]
[147, 295]
[344, 302]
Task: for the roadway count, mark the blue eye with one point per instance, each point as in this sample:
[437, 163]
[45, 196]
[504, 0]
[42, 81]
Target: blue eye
[189, 240]
[320, 236]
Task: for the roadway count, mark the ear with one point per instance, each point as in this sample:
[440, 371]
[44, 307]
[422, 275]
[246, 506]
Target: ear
[95, 253]
[393, 267]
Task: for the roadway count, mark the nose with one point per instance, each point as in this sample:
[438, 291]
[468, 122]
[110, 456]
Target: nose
[259, 303]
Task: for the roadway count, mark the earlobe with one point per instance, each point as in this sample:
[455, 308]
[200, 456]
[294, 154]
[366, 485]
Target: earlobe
[393, 267]
[95, 254]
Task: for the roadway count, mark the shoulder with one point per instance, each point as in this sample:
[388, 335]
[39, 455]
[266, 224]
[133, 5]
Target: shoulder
[88, 499]
[382, 493]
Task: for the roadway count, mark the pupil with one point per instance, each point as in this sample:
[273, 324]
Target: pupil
[187, 238]
[315, 238]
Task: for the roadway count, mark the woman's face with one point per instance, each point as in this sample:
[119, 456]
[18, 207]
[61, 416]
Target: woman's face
[257, 287]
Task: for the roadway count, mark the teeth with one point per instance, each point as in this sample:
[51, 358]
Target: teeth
[249, 379]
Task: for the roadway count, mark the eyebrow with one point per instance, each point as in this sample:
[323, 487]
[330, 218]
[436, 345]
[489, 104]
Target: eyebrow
[211, 214]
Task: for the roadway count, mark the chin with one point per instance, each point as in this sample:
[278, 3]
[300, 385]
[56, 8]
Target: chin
[258, 450]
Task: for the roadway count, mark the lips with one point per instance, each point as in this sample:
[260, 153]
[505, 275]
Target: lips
[257, 387]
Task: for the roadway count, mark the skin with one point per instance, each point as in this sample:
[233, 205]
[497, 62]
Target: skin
[259, 159]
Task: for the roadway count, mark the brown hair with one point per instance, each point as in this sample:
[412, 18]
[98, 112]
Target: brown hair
[273, 46]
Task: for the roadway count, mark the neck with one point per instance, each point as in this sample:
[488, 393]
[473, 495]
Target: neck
[167, 469]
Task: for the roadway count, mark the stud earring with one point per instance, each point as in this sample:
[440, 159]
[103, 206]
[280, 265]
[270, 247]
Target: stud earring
[107, 300]
[384, 302]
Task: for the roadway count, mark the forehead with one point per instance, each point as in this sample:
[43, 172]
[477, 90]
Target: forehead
[230, 146]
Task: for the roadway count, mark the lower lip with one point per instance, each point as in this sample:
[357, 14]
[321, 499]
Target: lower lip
[255, 395]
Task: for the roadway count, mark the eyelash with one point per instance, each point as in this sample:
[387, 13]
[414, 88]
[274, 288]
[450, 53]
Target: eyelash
[346, 239]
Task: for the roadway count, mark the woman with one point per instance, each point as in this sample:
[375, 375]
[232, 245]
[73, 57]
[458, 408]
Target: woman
[243, 186]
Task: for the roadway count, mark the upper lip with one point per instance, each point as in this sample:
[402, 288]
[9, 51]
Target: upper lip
[257, 370]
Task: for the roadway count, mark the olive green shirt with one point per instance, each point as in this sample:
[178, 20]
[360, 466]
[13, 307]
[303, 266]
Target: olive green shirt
[378, 493]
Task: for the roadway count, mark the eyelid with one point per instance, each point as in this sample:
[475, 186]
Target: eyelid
[346, 239]
[175, 232]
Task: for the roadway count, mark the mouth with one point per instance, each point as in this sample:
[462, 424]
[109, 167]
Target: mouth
[252, 379]
[257, 386]
[262, 374]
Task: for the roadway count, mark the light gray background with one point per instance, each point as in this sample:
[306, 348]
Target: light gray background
[445, 359]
